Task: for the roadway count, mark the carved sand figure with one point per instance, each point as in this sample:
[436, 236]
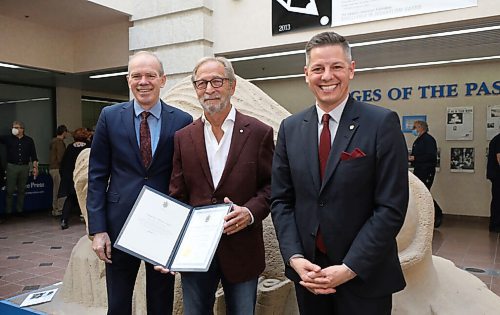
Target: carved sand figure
[434, 284]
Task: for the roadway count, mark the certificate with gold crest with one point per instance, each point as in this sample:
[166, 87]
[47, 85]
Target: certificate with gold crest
[166, 232]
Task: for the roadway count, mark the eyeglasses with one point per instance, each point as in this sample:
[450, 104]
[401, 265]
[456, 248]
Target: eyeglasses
[215, 83]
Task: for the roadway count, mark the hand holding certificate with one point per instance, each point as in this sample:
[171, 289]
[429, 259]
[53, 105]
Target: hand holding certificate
[166, 232]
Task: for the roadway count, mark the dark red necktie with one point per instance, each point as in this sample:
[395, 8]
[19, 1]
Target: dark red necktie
[325, 144]
[145, 140]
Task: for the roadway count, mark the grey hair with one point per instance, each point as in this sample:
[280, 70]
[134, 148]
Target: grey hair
[328, 39]
[422, 124]
[228, 67]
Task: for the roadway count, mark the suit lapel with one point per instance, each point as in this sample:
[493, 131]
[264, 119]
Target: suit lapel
[310, 142]
[167, 123]
[241, 132]
[127, 117]
[198, 138]
[347, 127]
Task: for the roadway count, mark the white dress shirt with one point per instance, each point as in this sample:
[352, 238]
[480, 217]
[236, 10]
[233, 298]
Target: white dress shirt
[217, 151]
[335, 115]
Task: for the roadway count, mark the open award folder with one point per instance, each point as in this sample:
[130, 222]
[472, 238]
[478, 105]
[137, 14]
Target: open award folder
[164, 231]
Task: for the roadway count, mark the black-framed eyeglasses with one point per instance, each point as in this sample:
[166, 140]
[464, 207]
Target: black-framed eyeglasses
[215, 83]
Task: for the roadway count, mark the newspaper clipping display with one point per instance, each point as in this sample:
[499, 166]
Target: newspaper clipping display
[492, 121]
[459, 123]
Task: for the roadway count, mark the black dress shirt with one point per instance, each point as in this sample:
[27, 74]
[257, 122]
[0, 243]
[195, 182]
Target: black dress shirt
[20, 151]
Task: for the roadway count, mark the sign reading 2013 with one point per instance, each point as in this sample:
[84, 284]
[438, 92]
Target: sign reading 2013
[291, 15]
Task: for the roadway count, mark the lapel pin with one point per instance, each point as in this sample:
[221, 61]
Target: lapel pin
[351, 127]
[241, 130]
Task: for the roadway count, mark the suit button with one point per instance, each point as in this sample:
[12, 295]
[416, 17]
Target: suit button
[321, 204]
[214, 200]
[146, 178]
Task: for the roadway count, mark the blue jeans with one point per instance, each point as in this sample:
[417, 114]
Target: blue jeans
[198, 289]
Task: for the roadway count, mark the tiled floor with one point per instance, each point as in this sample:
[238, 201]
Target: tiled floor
[34, 251]
[467, 242]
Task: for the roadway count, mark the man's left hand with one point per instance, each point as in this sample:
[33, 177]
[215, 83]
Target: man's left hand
[325, 281]
[236, 220]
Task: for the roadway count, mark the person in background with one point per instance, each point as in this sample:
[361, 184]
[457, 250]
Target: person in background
[423, 158]
[224, 156]
[20, 153]
[339, 192]
[132, 146]
[57, 148]
[493, 174]
[67, 166]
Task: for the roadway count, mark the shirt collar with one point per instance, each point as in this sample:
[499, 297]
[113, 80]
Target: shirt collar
[335, 113]
[155, 110]
[231, 116]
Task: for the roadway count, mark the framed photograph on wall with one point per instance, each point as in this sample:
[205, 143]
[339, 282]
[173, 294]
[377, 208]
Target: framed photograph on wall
[462, 160]
[407, 122]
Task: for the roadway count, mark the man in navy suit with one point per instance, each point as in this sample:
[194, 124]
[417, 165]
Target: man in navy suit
[117, 172]
[337, 214]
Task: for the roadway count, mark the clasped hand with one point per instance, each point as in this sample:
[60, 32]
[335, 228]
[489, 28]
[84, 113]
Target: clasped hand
[318, 280]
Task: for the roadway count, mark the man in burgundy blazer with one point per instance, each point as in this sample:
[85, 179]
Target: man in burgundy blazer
[224, 156]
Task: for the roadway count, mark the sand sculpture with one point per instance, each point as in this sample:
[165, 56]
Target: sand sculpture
[435, 285]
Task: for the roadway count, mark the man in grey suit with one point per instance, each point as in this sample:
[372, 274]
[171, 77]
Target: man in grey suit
[132, 146]
[339, 192]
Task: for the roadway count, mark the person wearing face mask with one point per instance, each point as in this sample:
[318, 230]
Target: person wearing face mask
[423, 158]
[20, 152]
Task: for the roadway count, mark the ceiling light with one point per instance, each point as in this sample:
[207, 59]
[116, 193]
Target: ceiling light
[6, 65]
[416, 37]
[107, 75]
[25, 100]
[279, 77]
[409, 65]
[429, 63]
[285, 53]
